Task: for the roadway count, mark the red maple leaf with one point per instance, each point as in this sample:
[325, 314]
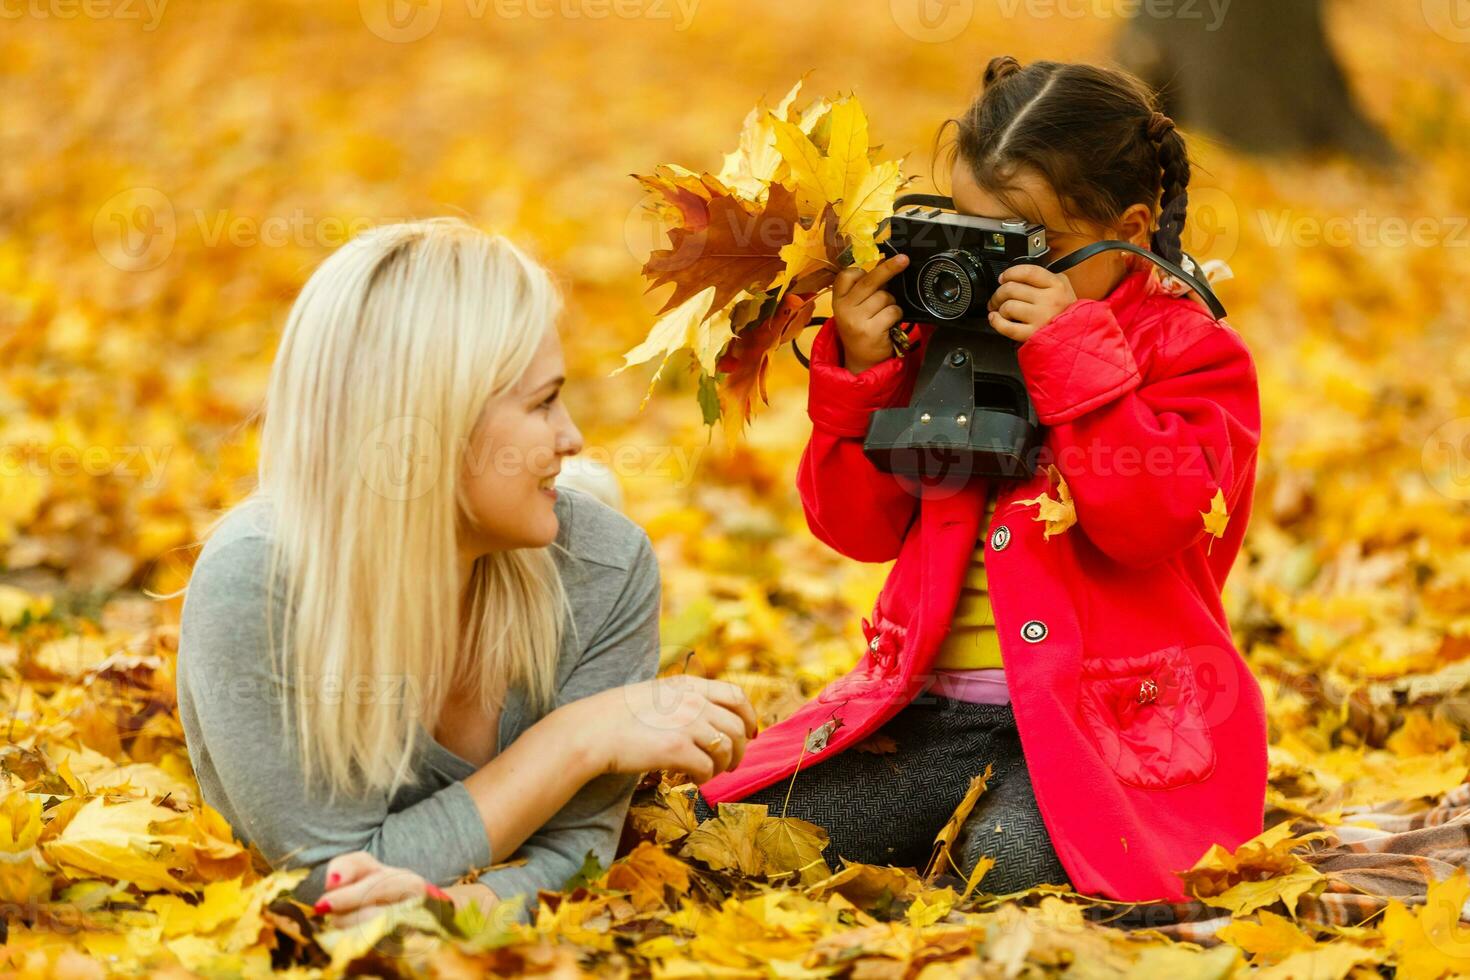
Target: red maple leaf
[746, 358]
[737, 249]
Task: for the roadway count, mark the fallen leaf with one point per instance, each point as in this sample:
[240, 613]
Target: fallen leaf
[645, 874]
[1058, 512]
[1215, 517]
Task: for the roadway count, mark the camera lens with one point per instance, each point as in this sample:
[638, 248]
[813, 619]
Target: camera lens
[948, 284]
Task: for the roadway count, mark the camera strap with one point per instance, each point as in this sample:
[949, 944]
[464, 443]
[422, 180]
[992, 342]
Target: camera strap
[1198, 285]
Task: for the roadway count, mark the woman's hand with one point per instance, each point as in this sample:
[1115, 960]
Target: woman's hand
[865, 312]
[1027, 299]
[666, 723]
[358, 886]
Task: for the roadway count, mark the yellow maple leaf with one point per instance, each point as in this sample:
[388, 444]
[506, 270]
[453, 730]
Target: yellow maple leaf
[121, 841]
[1261, 871]
[1430, 940]
[843, 177]
[674, 331]
[1060, 512]
[791, 844]
[1326, 961]
[1269, 939]
[754, 162]
[670, 817]
[727, 841]
[223, 901]
[930, 907]
[24, 877]
[867, 205]
[1215, 518]
[810, 251]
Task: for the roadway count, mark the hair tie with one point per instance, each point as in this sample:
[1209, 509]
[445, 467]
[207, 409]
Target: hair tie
[1158, 126]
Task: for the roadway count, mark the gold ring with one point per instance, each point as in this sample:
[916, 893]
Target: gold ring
[719, 739]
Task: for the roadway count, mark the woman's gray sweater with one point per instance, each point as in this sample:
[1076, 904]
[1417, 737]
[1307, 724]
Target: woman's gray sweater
[231, 708]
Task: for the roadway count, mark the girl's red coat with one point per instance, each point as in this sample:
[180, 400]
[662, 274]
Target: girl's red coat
[1143, 729]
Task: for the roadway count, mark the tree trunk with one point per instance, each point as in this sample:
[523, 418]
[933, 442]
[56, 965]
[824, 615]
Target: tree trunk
[1257, 73]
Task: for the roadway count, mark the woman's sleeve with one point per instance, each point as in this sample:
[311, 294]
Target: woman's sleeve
[624, 650]
[850, 504]
[236, 706]
[1144, 457]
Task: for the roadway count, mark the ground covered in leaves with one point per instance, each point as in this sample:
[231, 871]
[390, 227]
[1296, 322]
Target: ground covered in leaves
[167, 185]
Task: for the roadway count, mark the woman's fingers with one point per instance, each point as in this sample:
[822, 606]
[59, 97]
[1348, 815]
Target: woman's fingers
[719, 750]
[725, 722]
[381, 887]
[693, 761]
[347, 920]
[732, 696]
[349, 867]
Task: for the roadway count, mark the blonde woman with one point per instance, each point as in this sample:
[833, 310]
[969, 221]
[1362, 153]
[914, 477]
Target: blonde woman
[407, 655]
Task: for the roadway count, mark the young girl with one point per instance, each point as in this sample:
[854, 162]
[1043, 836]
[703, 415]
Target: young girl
[407, 655]
[1080, 649]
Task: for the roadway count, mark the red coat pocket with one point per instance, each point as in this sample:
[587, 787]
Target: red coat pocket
[1145, 717]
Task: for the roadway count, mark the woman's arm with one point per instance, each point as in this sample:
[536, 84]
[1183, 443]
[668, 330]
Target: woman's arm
[623, 651]
[850, 504]
[233, 706]
[1143, 459]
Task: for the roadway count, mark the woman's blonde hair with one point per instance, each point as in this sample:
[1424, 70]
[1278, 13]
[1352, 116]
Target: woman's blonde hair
[386, 361]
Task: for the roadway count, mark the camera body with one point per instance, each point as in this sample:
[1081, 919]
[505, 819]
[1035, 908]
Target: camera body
[970, 413]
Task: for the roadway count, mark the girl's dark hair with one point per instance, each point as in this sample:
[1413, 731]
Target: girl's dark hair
[1095, 134]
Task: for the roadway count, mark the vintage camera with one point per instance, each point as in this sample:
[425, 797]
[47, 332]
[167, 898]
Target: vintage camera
[970, 414]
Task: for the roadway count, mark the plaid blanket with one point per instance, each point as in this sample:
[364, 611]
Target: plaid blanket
[1386, 853]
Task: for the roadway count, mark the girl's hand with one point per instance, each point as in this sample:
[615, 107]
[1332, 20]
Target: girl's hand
[865, 312]
[358, 886]
[666, 723]
[1027, 299]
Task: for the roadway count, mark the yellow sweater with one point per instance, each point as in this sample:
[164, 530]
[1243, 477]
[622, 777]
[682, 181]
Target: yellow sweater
[972, 642]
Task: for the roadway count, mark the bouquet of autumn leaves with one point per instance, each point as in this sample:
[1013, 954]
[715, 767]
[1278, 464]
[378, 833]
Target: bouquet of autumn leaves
[752, 248]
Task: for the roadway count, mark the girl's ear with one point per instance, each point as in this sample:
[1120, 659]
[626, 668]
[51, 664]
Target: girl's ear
[1136, 225]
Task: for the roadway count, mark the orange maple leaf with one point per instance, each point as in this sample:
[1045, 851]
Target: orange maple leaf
[746, 359]
[689, 194]
[737, 249]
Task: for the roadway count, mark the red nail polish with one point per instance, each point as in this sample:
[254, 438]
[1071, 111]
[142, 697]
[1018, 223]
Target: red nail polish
[439, 893]
[322, 906]
[332, 878]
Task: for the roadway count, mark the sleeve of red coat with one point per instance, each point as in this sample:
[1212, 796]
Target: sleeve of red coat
[1143, 457]
[850, 504]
